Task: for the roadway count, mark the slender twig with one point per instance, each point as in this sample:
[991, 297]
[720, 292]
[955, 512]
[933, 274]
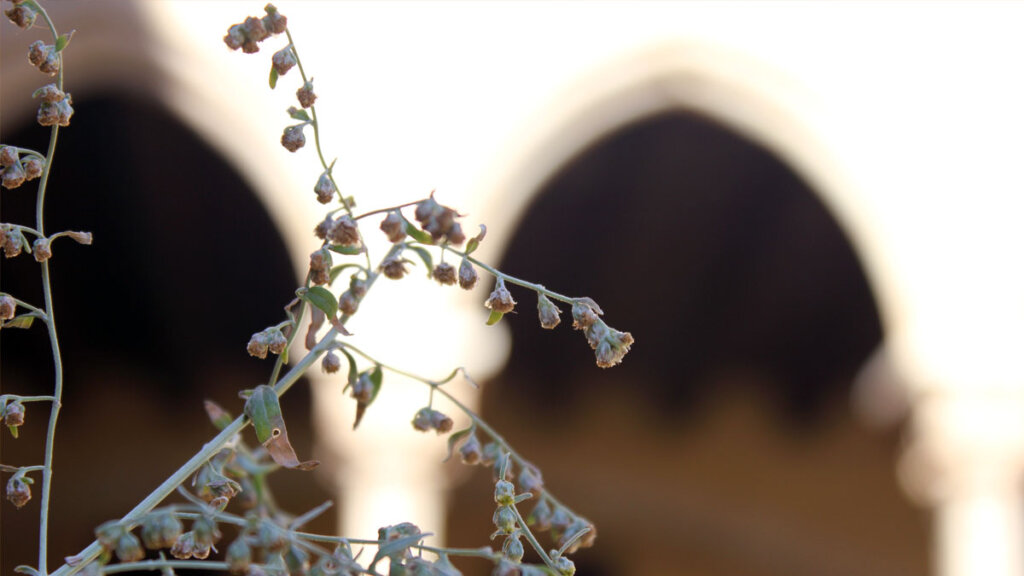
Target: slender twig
[58, 369]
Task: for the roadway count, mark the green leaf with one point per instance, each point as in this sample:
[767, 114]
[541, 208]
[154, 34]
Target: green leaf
[424, 255]
[26, 570]
[273, 77]
[323, 299]
[62, 42]
[395, 547]
[298, 114]
[23, 321]
[417, 234]
[454, 439]
[14, 431]
[494, 318]
[346, 250]
[353, 372]
[337, 270]
[377, 377]
[472, 245]
[264, 410]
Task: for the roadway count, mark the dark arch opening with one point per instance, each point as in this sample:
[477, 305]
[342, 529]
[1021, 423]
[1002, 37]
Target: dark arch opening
[723, 443]
[153, 317]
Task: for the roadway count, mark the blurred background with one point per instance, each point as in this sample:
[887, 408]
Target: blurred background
[805, 213]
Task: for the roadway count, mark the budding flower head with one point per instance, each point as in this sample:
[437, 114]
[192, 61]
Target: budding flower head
[49, 93]
[471, 451]
[394, 226]
[500, 299]
[41, 250]
[504, 492]
[258, 345]
[23, 15]
[293, 138]
[160, 530]
[345, 231]
[613, 348]
[393, 267]
[14, 416]
[444, 273]
[530, 480]
[467, 275]
[8, 156]
[44, 57]
[305, 94]
[18, 491]
[348, 303]
[324, 188]
[8, 307]
[504, 520]
[513, 548]
[583, 316]
[13, 176]
[429, 419]
[55, 113]
[276, 340]
[331, 363]
[284, 60]
[13, 242]
[238, 556]
[548, 312]
[128, 548]
[33, 168]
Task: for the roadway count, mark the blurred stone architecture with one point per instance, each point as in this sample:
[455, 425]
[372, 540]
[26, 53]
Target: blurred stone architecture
[807, 214]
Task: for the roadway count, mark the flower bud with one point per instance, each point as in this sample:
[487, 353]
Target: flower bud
[254, 29]
[55, 113]
[235, 38]
[467, 275]
[331, 363]
[394, 226]
[362, 388]
[421, 421]
[8, 307]
[348, 303]
[13, 242]
[441, 422]
[128, 548]
[500, 299]
[444, 273]
[548, 312]
[23, 15]
[13, 176]
[49, 93]
[345, 231]
[44, 57]
[583, 316]
[455, 234]
[513, 548]
[8, 156]
[258, 345]
[41, 250]
[323, 229]
[293, 138]
[33, 168]
[276, 341]
[108, 533]
[18, 491]
[185, 546]
[565, 566]
[160, 530]
[238, 556]
[613, 347]
[504, 520]
[14, 416]
[305, 95]
[540, 516]
[283, 60]
[530, 480]
[393, 267]
[504, 492]
[325, 192]
[274, 21]
[269, 537]
[505, 567]
[471, 451]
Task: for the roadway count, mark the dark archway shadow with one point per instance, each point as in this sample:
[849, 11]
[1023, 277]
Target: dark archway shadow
[153, 317]
[723, 444]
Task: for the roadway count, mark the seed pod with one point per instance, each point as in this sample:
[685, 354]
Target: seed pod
[444, 273]
[500, 299]
[293, 138]
[305, 95]
[548, 312]
[467, 275]
[18, 491]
